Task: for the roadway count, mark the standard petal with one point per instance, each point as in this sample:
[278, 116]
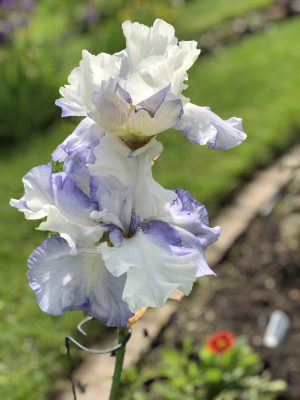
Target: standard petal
[143, 41]
[114, 198]
[134, 170]
[200, 125]
[168, 114]
[111, 107]
[152, 103]
[84, 80]
[153, 273]
[170, 67]
[63, 282]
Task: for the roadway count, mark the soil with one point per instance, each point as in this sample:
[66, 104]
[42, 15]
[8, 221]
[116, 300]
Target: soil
[260, 274]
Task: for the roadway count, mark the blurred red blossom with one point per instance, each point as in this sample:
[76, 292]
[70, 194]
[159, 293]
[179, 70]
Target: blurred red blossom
[220, 342]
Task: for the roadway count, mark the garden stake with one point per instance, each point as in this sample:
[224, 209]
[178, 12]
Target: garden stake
[118, 350]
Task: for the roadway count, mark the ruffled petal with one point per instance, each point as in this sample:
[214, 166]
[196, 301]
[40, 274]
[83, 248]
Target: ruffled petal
[75, 234]
[85, 137]
[73, 203]
[115, 112]
[20, 204]
[63, 282]
[134, 170]
[38, 192]
[143, 41]
[153, 103]
[69, 213]
[78, 150]
[111, 107]
[113, 198]
[200, 125]
[190, 241]
[170, 67]
[142, 123]
[84, 80]
[189, 214]
[153, 273]
[156, 59]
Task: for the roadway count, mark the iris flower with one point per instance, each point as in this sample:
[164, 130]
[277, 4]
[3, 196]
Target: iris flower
[120, 241]
[137, 93]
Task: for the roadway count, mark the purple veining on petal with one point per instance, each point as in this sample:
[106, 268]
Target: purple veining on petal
[110, 105]
[123, 93]
[216, 141]
[161, 233]
[192, 216]
[186, 203]
[78, 149]
[193, 242]
[134, 223]
[70, 198]
[112, 196]
[152, 103]
[61, 283]
[110, 87]
[202, 126]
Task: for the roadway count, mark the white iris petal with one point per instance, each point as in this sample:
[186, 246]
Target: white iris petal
[153, 274]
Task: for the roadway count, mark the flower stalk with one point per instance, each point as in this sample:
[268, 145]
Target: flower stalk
[120, 354]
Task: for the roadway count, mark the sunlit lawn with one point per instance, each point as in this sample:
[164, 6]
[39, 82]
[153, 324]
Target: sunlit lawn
[257, 79]
[199, 16]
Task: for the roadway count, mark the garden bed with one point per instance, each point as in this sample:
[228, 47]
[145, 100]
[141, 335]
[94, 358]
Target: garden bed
[260, 274]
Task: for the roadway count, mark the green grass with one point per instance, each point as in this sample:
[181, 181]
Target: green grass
[197, 16]
[31, 341]
[257, 79]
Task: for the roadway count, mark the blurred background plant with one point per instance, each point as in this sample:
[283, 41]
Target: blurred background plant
[219, 369]
[255, 76]
[39, 44]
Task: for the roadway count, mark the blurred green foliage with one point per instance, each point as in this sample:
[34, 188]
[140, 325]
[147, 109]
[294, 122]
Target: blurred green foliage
[256, 79]
[31, 77]
[211, 13]
[251, 79]
[43, 45]
[37, 57]
[195, 373]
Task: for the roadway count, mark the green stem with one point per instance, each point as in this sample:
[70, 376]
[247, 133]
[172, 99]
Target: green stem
[123, 337]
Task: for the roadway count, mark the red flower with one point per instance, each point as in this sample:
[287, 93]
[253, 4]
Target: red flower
[220, 342]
